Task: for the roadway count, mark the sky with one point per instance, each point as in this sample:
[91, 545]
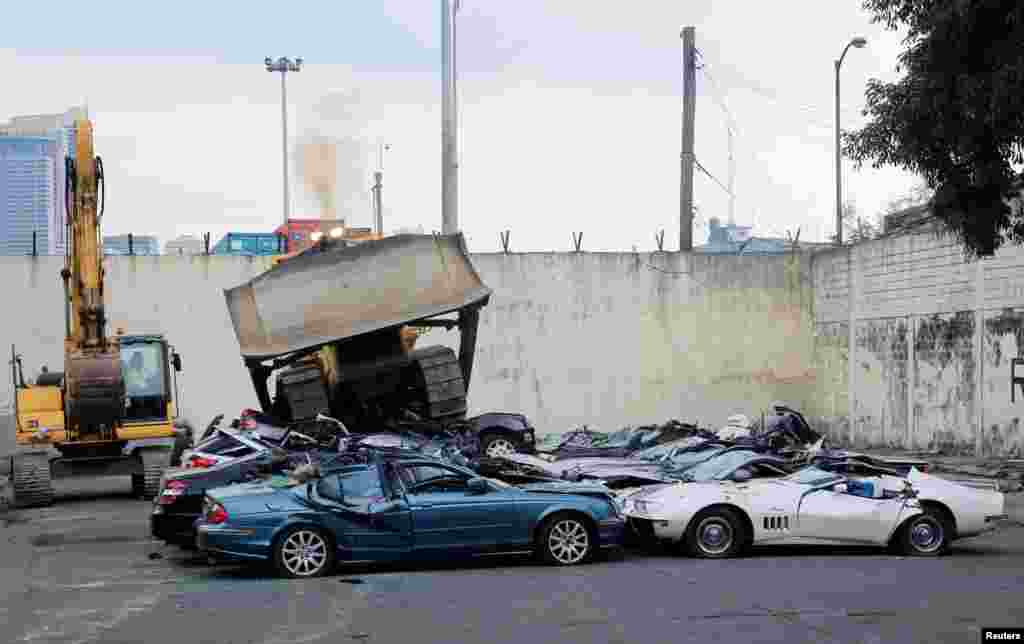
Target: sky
[569, 112]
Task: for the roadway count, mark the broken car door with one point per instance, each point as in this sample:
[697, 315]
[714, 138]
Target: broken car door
[834, 514]
[371, 521]
[446, 513]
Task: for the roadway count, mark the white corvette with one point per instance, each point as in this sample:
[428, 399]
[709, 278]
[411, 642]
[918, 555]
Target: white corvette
[919, 514]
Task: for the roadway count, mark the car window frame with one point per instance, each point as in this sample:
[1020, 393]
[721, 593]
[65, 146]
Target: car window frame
[451, 472]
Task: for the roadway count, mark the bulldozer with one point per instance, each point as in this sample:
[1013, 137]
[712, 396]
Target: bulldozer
[112, 410]
[337, 325]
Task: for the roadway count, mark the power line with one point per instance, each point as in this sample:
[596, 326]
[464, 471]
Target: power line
[712, 177]
[814, 110]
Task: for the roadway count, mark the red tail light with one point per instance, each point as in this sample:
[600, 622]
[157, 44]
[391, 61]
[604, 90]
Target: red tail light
[217, 514]
[172, 491]
[200, 462]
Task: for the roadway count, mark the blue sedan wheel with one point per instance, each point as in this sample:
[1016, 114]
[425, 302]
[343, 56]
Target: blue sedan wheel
[565, 540]
[303, 552]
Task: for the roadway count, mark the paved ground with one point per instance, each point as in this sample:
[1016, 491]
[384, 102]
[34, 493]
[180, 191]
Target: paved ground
[81, 572]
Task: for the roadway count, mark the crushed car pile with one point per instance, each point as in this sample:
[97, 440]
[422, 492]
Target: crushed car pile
[364, 452]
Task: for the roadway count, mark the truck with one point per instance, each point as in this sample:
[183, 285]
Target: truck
[334, 329]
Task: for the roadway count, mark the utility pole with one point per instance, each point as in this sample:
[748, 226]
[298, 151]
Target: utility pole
[449, 122]
[686, 157]
[857, 42]
[732, 181]
[378, 190]
[378, 207]
[284, 65]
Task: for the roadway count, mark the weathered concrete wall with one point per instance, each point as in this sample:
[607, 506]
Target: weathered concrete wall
[602, 339]
[931, 335]
[615, 339]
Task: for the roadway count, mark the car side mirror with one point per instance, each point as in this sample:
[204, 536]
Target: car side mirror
[477, 486]
[742, 475]
[176, 361]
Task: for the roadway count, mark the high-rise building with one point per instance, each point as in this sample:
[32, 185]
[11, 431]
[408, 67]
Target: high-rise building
[185, 245]
[32, 209]
[31, 214]
[133, 245]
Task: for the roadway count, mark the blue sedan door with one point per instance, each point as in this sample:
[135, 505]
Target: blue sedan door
[370, 521]
[445, 514]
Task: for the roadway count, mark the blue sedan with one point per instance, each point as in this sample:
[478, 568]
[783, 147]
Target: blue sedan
[398, 507]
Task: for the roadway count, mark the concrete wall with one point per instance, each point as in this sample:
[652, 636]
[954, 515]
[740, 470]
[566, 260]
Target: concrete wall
[901, 331]
[602, 339]
[925, 338]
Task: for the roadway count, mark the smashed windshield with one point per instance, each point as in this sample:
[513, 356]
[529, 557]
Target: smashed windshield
[812, 476]
[718, 467]
[686, 460]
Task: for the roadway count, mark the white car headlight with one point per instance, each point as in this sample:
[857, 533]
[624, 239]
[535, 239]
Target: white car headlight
[646, 507]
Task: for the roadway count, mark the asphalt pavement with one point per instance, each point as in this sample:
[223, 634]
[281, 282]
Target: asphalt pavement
[85, 571]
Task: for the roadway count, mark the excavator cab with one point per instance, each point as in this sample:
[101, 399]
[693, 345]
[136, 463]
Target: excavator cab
[146, 363]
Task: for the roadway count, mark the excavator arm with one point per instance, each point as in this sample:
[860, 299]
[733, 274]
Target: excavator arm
[94, 388]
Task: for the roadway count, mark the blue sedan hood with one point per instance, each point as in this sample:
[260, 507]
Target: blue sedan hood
[555, 487]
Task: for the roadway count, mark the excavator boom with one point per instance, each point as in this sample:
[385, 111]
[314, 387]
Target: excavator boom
[94, 384]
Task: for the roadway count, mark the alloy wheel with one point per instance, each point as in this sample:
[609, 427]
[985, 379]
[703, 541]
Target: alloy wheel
[500, 447]
[304, 553]
[568, 541]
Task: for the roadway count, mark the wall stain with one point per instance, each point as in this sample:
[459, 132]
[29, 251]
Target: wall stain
[887, 341]
[1008, 322]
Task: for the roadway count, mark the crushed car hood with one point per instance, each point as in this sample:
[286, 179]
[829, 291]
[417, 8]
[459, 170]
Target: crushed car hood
[586, 489]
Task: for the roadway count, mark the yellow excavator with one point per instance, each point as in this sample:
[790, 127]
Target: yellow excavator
[112, 410]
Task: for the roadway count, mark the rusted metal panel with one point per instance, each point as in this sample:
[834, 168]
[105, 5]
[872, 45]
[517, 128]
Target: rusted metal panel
[340, 292]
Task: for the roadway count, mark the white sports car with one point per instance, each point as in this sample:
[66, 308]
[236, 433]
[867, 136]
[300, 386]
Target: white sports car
[919, 514]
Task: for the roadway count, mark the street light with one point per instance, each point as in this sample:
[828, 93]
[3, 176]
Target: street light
[857, 42]
[284, 65]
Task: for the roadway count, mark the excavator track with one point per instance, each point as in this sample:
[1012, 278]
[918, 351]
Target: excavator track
[154, 461]
[33, 485]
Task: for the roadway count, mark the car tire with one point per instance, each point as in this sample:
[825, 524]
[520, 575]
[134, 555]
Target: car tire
[303, 552]
[925, 535]
[498, 445]
[715, 534]
[565, 539]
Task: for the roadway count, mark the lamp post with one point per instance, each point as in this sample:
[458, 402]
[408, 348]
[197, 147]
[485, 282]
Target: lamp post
[284, 65]
[857, 42]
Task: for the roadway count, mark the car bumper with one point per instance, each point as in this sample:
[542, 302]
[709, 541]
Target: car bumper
[172, 527]
[611, 533]
[228, 544]
[648, 529]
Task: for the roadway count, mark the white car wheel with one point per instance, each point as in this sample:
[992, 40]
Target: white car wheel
[715, 534]
[925, 536]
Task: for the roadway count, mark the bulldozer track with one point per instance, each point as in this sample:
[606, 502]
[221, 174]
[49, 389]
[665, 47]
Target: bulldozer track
[154, 461]
[31, 479]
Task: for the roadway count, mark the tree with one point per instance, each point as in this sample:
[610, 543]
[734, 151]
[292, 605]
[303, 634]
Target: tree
[957, 116]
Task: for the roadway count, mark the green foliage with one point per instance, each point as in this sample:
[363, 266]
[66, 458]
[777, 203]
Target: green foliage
[957, 116]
